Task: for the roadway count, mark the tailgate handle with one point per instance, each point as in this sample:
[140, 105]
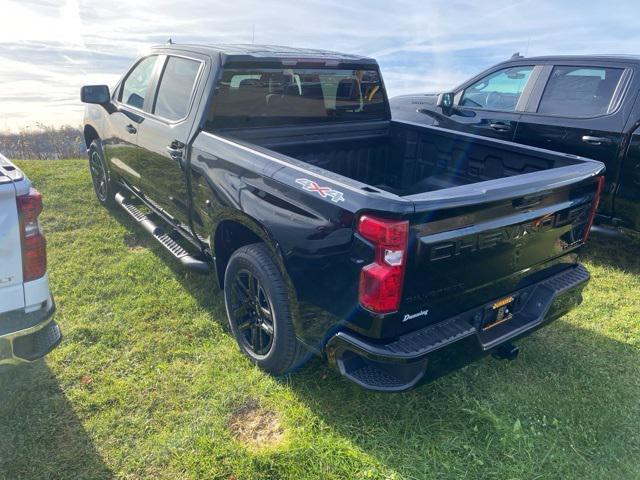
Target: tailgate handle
[527, 202]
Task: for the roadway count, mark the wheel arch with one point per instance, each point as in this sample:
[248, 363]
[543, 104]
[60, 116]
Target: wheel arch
[231, 234]
[90, 134]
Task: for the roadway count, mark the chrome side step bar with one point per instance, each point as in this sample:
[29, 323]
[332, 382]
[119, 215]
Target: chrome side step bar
[183, 256]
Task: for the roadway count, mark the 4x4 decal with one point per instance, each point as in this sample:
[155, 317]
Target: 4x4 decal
[324, 192]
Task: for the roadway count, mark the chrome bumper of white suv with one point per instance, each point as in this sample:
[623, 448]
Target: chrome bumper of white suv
[25, 337]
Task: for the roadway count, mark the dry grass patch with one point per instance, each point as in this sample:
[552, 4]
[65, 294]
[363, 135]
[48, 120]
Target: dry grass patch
[134, 242]
[256, 427]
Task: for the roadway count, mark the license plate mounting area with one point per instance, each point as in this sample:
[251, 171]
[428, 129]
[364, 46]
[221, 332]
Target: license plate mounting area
[499, 312]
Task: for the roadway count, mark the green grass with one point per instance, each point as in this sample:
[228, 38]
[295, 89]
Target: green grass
[148, 377]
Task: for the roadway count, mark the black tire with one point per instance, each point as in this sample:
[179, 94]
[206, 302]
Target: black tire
[100, 176]
[246, 306]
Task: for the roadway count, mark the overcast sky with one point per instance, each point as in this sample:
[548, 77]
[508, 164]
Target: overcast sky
[49, 48]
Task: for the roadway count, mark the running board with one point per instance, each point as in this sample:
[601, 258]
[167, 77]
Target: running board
[174, 248]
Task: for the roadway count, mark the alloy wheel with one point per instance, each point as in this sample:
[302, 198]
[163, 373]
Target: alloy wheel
[252, 313]
[98, 176]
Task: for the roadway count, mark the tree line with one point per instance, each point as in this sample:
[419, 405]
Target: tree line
[43, 143]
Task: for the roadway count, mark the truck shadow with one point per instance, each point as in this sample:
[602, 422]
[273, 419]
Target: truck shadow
[37, 418]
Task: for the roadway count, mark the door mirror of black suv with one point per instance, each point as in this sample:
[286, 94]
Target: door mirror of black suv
[445, 102]
[98, 94]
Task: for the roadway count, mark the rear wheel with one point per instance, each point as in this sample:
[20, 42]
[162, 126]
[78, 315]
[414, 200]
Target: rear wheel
[100, 178]
[259, 310]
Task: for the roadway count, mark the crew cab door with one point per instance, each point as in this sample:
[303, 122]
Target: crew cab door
[491, 105]
[165, 133]
[131, 98]
[578, 108]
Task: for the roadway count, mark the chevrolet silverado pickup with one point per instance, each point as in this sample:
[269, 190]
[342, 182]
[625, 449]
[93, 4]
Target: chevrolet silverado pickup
[27, 330]
[331, 228]
[585, 105]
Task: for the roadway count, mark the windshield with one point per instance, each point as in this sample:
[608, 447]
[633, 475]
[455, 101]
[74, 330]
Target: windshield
[269, 97]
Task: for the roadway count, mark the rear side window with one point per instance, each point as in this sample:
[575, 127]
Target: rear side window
[135, 86]
[279, 96]
[499, 90]
[176, 87]
[579, 91]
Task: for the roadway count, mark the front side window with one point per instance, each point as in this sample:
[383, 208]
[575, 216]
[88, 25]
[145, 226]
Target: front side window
[264, 97]
[579, 91]
[499, 90]
[134, 88]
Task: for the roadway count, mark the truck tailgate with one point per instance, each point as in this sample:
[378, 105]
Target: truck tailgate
[476, 243]
[11, 289]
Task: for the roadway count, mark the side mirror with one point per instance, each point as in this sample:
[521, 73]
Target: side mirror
[98, 94]
[445, 102]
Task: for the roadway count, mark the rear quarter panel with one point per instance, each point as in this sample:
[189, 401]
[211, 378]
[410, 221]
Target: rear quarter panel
[312, 236]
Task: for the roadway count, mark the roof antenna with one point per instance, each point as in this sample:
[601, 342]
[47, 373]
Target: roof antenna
[517, 55]
[253, 34]
[169, 42]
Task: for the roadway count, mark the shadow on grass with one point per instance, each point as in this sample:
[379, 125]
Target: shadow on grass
[204, 288]
[41, 436]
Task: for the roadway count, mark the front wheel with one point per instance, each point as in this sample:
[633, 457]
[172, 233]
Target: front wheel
[259, 310]
[100, 178]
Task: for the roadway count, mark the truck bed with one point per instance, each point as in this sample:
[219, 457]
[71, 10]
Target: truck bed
[489, 216]
[403, 158]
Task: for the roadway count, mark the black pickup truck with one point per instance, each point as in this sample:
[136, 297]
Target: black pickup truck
[584, 105]
[331, 228]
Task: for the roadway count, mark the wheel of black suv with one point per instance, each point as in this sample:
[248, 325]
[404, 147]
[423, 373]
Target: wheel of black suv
[100, 175]
[259, 311]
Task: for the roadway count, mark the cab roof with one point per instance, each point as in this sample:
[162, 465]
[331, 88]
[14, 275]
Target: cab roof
[262, 53]
[581, 58]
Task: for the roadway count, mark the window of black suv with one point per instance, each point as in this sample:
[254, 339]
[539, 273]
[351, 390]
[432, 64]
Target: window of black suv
[499, 90]
[576, 91]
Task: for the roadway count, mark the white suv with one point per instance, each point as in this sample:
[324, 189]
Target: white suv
[27, 331]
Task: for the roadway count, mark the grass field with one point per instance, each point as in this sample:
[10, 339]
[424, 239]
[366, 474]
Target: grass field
[148, 382]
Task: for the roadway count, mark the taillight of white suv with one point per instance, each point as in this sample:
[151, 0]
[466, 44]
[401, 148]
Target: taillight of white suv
[34, 245]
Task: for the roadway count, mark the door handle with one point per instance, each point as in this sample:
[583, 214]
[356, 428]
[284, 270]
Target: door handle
[131, 129]
[176, 150]
[500, 126]
[596, 140]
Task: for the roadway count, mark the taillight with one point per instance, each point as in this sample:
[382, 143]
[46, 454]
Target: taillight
[381, 282]
[594, 207]
[34, 252]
